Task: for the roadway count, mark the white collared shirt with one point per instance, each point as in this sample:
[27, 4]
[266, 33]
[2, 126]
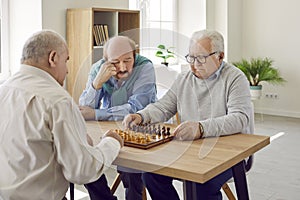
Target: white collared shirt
[43, 144]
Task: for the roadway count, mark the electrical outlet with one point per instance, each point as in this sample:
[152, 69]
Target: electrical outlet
[271, 95]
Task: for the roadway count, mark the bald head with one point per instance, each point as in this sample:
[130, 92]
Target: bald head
[48, 51]
[118, 46]
[38, 46]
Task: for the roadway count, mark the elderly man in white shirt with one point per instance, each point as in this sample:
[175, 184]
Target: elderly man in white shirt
[43, 139]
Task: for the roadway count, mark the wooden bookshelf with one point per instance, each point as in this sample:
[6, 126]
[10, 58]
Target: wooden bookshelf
[83, 49]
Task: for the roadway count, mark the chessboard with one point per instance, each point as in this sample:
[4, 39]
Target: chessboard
[146, 136]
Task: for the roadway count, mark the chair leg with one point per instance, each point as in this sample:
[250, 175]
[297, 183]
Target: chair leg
[115, 184]
[228, 192]
[177, 118]
[71, 191]
[144, 194]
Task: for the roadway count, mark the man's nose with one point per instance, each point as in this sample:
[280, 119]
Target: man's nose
[122, 66]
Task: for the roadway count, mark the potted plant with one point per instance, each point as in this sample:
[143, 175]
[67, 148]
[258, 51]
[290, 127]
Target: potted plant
[258, 70]
[164, 53]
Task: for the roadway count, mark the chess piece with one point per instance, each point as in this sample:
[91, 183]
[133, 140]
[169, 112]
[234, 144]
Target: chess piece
[163, 131]
[168, 131]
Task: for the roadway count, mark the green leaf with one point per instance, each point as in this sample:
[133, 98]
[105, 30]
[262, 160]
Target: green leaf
[164, 52]
[161, 46]
[258, 70]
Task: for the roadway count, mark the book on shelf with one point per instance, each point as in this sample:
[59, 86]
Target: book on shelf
[101, 35]
[106, 31]
[96, 36]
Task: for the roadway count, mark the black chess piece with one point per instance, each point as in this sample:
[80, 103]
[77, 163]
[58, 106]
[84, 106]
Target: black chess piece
[158, 131]
[163, 131]
[168, 131]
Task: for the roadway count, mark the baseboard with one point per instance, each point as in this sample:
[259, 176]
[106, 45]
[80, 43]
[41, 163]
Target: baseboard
[277, 112]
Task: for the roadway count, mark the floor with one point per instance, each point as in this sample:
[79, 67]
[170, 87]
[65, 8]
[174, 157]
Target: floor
[274, 175]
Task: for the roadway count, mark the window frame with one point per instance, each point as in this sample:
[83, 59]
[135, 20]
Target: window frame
[148, 48]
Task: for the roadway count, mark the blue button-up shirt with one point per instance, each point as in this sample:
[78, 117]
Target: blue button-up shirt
[143, 92]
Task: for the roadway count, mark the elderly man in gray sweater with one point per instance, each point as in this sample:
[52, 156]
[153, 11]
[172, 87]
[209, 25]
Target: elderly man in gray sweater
[212, 99]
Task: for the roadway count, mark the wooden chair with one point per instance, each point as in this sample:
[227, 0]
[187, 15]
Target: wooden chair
[115, 184]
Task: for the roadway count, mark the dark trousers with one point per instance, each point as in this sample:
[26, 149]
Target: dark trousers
[161, 188]
[99, 190]
[133, 185]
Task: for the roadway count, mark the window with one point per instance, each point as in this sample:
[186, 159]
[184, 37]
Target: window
[158, 22]
[4, 67]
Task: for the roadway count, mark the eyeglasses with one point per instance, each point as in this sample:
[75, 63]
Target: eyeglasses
[200, 59]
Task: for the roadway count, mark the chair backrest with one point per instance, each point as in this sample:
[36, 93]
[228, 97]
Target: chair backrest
[249, 163]
[165, 77]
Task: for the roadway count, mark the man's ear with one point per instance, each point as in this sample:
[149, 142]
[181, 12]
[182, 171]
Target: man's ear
[51, 58]
[221, 56]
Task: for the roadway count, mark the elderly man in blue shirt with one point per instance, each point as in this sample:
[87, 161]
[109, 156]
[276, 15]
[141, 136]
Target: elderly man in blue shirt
[121, 83]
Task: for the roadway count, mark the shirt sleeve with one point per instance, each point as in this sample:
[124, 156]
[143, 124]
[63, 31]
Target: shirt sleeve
[143, 93]
[90, 96]
[80, 162]
[239, 116]
[163, 109]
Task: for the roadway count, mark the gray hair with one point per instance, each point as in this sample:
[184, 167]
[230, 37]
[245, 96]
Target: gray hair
[217, 41]
[40, 44]
[131, 42]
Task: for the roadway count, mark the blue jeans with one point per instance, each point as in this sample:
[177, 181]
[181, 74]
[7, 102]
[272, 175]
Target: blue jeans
[161, 188]
[99, 190]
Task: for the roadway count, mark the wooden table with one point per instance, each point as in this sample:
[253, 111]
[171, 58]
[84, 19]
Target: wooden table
[193, 161]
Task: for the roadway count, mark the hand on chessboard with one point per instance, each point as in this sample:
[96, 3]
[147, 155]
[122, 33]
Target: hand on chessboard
[187, 131]
[114, 135]
[131, 120]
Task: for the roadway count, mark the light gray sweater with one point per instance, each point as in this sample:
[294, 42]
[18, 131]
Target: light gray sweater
[222, 103]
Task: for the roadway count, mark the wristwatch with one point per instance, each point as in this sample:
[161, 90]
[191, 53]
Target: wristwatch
[141, 117]
[201, 130]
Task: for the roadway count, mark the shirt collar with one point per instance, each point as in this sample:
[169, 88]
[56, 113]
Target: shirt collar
[38, 72]
[217, 73]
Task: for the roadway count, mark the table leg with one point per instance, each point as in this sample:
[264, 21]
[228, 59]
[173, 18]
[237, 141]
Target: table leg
[189, 190]
[240, 180]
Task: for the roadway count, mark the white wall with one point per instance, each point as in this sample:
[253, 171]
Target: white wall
[191, 16]
[25, 17]
[29, 16]
[271, 29]
[263, 28]
[54, 11]
[217, 18]
[234, 29]
[252, 28]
